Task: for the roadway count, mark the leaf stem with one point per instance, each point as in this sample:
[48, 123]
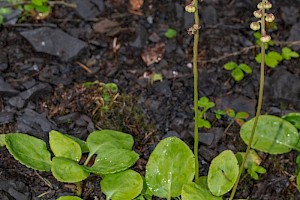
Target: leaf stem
[195, 72]
[259, 105]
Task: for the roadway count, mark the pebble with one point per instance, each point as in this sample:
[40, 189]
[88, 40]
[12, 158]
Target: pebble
[6, 117]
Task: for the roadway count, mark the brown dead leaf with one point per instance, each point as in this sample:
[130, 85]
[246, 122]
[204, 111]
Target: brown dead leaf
[107, 26]
[154, 54]
[136, 4]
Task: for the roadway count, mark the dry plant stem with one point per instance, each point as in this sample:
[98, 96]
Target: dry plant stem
[195, 72]
[259, 105]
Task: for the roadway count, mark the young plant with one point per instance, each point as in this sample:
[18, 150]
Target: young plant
[204, 104]
[170, 33]
[238, 70]
[238, 117]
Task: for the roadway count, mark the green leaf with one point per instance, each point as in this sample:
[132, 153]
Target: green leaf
[237, 74]
[293, 118]
[245, 68]
[29, 7]
[2, 140]
[202, 102]
[112, 87]
[37, 2]
[113, 160]
[298, 181]
[82, 144]
[42, 9]
[272, 135]
[230, 112]
[1, 19]
[252, 157]
[170, 33]
[98, 141]
[124, 185]
[287, 53]
[67, 170]
[69, 198]
[170, 166]
[258, 58]
[64, 146]
[242, 115]
[203, 123]
[230, 65]
[223, 172]
[28, 150]
[5, 11]
[192, 191]
[272, 59]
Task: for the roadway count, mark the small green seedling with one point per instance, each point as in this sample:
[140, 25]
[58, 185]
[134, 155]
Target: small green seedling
[288, 53]
[219, 113]
[252, 164]
[156, 77]
[204, 105]
[238, 117]
[170, 33]
[238, 71]
[3, 12]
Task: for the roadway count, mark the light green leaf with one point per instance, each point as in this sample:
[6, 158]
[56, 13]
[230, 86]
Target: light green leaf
[245, 68]
[288, 53]
[203, 123]
[222, 173]
[1, 19]
[64, 146]
[192, 191]
[272, 135]
[242, 115]
[124, 185]
[170, 33]
[170, 166]
[28, 150]
[258, 58]
[237, 74]
[82, 144]
[113, 160]
[67, 170]
[69, 198]
[293, 118]
[272, 59]
[5, 11]
[230, 112]
[230, 65]
[2, 140]
[37, 2]
[29, 7]
[42, 9]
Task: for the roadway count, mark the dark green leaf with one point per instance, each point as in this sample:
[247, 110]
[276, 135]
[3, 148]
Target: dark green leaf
[37, 2]
[29, 7]
[230, 65]
[28, 150]
[42, 9]
[293, 118]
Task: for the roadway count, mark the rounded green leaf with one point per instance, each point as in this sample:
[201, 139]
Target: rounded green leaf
[124, 185]
[64, 146]
[170, 166]
[192, 191]
[5, 11]
[237, 74]
[287, 53]
[2, 140]
[82, 144]
[113, 160]
[69, 198]
[230, 65]
[28, 150]
[67, 170]
[170, 33]
[258, 58]
[273, 135]
[245, 68]
[293, 118]
[222, 173]
[242, 115]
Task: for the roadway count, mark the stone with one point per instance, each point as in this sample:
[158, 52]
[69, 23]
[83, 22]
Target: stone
[209, 16]
[16, 102]
[89, 8]
[6, 89]
[171, 134]
[15, 189]
[141, 37]
[50, 40]
[206, 138]
[6, 117]
[289, 14]
[207, 153]
[39, 89]
[295, 35]
[163, 88]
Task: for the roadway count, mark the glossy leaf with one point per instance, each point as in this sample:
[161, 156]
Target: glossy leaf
[64, 146]
[28, 150]
[82, 144]
[272, 135]
[2, 140]
[170, 166]
[246, 68]
[288, 53]
[237, 74]
[67, 170]
[293, 118]
[113, 160]
[230, 65]
[222, 173]
[192, 191]
[252, 157]
[124, 185]
[69, 198]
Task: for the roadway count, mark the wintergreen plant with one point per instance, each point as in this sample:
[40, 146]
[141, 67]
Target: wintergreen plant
[238, 70]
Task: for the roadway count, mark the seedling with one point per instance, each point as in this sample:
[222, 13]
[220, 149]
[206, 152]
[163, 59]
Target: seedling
[170, 33]
[238, 71]
[219, 113]
[204, 104]
[238, 117]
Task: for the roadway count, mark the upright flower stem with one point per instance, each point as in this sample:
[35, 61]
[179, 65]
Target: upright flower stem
[195, 72]
[259, 104]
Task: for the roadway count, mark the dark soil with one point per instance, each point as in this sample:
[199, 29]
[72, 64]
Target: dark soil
[40, 91]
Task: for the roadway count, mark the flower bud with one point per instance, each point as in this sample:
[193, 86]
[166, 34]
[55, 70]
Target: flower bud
[190, 8]
[270, 17]
[265, 38]
[268, 5]
[260, 6]
[255, 26]
[257, 14]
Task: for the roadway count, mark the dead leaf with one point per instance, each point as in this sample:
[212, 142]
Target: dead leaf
[136, 4]
[154, 54]
[107, 26]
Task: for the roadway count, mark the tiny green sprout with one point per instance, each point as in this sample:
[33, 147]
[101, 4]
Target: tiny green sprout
[156, 77]
[238, 117]
[219, 113]
[204, 104]
[288, 53]
[170, 33]
[237, 71]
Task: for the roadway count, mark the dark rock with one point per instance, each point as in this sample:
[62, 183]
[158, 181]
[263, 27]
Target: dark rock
[237, 103]
[206, 138]
[141, 37]
[177, 124]
[289, 14]
[171, 134]
[295, 35]
[188, 20]
[89, 8]
[154, 37]
[34, 123]
[209, 16]
[39, 89]
[48, 40]
[6, 89]
[67, 118]
[285, 87]
[6, 117]
[218, 134]
[207, 153]
[179, 11]
[15, 189]
[163, 88]
[16, 102]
